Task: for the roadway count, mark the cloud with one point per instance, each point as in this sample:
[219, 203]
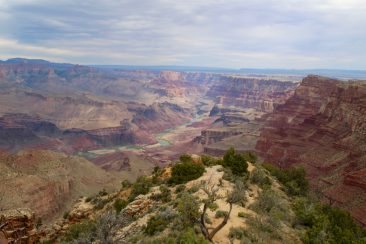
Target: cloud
[226, 33]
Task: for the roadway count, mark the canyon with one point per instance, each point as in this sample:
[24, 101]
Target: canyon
[116, 124]
[322, 127]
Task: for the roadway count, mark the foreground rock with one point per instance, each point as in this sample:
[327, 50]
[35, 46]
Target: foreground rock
[18, 226]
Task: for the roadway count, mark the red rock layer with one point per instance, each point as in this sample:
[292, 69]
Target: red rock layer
[260, 94]
[323, 127]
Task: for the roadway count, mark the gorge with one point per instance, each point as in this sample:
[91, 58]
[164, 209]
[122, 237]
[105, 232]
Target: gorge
[97, 127]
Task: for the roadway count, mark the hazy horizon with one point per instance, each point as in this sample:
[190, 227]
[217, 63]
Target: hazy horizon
[234, 34]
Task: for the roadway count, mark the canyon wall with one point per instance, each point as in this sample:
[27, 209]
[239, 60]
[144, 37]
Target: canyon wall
[323, 127]
[261, 94]
[47, 182]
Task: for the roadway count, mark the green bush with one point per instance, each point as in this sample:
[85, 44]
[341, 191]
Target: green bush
[180, 188]
[243, 215]
[221, 214]
[66, 215]
[236, 162]
[164, 195]
[326, 224]
[188, 208]
[190, 237]
[155, 224]
[207, 219]
[267, 200]
[210, 161]
[160, 221]
[119, 204]
[185, 158]
[194, 188]
[213, 206]
[237, 233]
[140, 187]
[77, 230]
[157, 170]
[184, 172]
[259, 177]
[293, 179]
[250, 157]
[100, 203]
[126, 183]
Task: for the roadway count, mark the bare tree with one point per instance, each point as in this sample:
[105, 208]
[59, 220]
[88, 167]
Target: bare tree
[235, 196]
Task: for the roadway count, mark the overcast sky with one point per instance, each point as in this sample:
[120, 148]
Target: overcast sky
[218, 33]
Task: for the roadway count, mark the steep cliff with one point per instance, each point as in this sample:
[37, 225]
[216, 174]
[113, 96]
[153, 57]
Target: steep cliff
[323, 127]
[261, 94]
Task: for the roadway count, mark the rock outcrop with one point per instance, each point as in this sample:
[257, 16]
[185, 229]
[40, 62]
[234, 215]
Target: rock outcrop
[323, 127]
[18, 226]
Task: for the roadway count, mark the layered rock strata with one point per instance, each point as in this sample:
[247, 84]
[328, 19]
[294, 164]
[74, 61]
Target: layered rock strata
[323, 127]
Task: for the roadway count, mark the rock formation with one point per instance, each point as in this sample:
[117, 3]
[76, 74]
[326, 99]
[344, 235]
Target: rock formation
[263, 95]
[323, 127]
[18, 226]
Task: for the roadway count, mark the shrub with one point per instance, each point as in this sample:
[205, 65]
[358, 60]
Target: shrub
[66, 215]
[207, 219]
[126, 184]
[210, 161]
[155, 224]
[243, 215]
[259, 177]
[188, 208]
[292, 178]
[140, 187]
[194, 188]
[184, 172]
[185, 158]
[88, 199]
[228, 175]
[213, 206]
[189, 236]
[180, 188]
[236, 162]
[100, 203]
[221, 214]
[119, 204]
[237, 233]
[327, 224]
[238, 194]
[77, 230]
[103, 193]
[159, 222]
[267, 200]
[261, 224]
[250, 157]
[156, 170]
[164, 195]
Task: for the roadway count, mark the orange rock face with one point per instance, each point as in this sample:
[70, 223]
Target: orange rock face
[323, 127]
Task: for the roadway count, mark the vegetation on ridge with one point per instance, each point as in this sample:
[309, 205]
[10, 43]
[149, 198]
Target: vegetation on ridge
[270, 204]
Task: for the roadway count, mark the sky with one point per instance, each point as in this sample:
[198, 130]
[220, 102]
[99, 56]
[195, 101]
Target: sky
[290, 34]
